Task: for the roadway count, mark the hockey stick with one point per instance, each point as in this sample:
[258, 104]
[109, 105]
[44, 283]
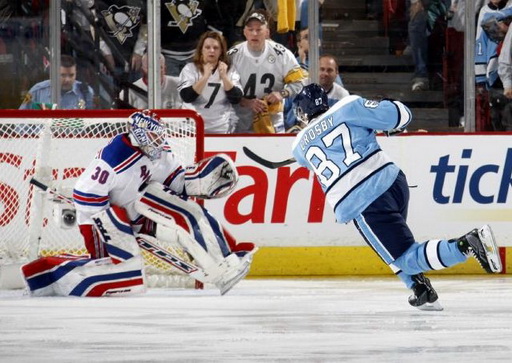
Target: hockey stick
[276, 164]
[142, 240]
[50, 191]
[267, 163]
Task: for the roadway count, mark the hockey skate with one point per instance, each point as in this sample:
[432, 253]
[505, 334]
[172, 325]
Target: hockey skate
[424, 296]
[480, 244]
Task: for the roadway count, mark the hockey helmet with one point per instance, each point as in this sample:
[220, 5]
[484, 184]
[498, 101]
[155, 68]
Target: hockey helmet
[310, 102]
[147, 133]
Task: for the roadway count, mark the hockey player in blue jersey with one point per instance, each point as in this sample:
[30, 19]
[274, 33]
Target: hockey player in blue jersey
[362, 184]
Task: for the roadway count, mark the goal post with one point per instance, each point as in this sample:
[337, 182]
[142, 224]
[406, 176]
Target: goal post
[55, 147]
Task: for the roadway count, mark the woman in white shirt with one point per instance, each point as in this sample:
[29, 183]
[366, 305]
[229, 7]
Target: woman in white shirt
[210, 85]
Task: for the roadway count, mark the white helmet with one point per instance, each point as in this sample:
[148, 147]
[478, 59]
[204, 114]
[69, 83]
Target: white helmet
[147, 133]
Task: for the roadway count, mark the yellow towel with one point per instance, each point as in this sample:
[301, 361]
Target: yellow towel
[274, 107]
[262, 122]
[285, 15]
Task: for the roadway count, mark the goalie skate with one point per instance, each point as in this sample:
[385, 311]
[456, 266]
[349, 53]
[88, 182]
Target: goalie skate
[236, 273]
[480, 244]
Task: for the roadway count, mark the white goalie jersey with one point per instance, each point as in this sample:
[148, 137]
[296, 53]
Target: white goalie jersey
[116, 175]
[213, 105]
[275, 69]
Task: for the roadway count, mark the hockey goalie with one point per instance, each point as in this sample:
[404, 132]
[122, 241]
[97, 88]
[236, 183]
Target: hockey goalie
[135, 190]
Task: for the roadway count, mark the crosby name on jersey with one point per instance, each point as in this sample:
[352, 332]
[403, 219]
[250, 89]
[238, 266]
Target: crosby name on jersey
[356, 174]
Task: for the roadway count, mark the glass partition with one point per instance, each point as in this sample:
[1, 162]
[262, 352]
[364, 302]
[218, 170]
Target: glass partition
[24, 49]
[382, 49]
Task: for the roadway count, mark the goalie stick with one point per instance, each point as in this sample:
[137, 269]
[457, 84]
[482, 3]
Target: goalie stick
[267, 163]
[143, 242]
[50, 191]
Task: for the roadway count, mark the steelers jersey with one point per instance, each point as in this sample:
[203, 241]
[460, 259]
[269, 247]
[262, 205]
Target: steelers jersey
[212, 103]
[264, 73]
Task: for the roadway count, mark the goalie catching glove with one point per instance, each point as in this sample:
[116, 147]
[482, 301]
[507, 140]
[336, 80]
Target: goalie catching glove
[213, 177]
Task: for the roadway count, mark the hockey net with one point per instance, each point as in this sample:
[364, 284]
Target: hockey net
[55, 147]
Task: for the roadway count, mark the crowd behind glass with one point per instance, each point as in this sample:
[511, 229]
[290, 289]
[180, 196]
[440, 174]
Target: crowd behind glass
[104, 65]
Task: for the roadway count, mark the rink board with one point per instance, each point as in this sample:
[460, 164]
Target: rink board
[336, 261]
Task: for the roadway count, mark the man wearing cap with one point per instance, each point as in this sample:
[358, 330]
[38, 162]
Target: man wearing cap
[269, 73]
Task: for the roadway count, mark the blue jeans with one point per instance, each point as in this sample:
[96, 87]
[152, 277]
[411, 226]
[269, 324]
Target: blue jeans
[418, 41]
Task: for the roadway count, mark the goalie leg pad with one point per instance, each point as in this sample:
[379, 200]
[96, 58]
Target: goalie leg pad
[151, 245]
[225, 274]
[240, 248]
[81, 276]
[166, 208]
[213, 177]
[192, 227]
[116, 231]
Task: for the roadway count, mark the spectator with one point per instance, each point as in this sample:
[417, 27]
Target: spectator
[488, 85]
[453, 67]
[485, 47]
[74, 94]
[283, 16]
[269, 73]
[138, 98]
[303, 52]
[303, 47]
[418, 41]
[500, 92]
[304, 16]
[328, 74]
[505, 63]
[182, 24]
[123, 36]
[210, 85]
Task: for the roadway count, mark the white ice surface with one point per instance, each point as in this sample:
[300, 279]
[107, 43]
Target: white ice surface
[284, 320]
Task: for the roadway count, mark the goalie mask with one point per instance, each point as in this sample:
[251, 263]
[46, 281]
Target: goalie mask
[309, 103]
[147, 133]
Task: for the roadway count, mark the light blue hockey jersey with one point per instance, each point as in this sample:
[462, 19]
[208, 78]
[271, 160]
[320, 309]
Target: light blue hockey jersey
[341, 148]
[486, 49]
